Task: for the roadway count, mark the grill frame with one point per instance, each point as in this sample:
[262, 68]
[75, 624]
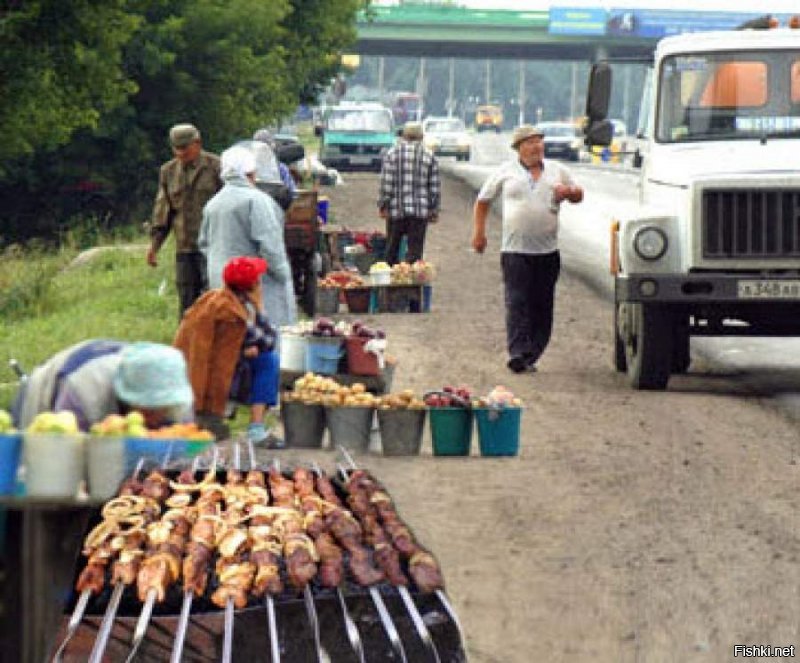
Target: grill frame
[750, 225]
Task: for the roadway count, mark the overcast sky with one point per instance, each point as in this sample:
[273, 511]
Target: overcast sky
[748, 6]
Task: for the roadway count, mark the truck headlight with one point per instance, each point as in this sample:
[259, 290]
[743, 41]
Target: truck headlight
[650, 243]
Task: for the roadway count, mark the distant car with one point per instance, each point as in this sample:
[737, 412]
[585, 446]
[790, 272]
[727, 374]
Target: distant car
[562, 140]
[447, 136]
[356, 136]
[488, 118]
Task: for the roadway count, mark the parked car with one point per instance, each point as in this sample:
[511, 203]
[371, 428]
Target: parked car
[488, 118]
[562, 140]
[447, 136]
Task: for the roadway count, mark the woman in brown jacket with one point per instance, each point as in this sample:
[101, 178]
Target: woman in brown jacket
[224, 327]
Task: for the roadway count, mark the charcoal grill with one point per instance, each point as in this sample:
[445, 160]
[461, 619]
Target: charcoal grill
[386, 623]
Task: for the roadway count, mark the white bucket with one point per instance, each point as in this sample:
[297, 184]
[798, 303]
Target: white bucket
[293, 352]
[54, 464]
[106, 464]
[382, 277]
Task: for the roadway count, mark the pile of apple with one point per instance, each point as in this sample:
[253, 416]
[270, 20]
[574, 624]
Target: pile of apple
[341, 279]
[356, 395]
[500, 397]
[6, 423]
[404, 400]
[115, 425]
[402, 274]
[450, 396]
[62, 423]
[423, 272]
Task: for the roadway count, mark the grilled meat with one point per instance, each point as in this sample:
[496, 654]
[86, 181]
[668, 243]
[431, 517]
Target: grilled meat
[92, 578]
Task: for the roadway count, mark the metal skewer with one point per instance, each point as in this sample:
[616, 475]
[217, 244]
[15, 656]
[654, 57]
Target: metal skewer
[377, 599]
[353, 634]
[83, 600]
[141, 625]
[311, 611]
[186, 607]
[147, 609]
[227, 641]
[105, 626]
[272, 622]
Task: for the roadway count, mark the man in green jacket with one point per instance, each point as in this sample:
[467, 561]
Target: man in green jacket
[185, 184]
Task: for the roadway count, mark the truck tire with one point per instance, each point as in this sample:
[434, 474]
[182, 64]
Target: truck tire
[620, 362]
[681, 356]
[648, 346]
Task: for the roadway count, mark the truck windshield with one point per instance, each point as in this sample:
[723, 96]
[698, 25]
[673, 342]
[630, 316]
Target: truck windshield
[729, 96]
[359, 120]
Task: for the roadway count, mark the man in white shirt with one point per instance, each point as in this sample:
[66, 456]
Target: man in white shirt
[532, 191]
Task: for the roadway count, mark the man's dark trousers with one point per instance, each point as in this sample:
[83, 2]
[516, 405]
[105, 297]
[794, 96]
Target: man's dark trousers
[191, 278]
[530, 282]
[415, 228]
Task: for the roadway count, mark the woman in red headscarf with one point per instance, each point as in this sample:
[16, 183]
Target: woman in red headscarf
[224, 331]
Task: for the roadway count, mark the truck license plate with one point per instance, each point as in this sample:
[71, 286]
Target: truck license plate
[360, 161]
[758, 289]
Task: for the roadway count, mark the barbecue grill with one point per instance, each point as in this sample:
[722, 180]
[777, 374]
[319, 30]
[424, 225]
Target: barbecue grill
[315, 623]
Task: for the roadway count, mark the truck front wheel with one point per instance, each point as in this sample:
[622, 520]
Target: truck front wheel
[620, 325]
[648, 345]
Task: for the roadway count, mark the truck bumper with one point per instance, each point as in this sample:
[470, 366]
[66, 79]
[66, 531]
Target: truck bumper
[708, 288]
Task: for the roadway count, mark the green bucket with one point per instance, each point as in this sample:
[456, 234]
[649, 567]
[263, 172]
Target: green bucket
[498, 430]
[451, 431]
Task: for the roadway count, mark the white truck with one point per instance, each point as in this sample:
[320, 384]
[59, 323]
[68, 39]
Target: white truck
[713, 248]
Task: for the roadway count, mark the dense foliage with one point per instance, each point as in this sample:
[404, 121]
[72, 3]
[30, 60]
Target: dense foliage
[89, 89]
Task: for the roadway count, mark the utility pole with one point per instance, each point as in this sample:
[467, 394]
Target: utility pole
[488, 81]
[573, 100]
[521, 93]
[451, 87]
[421, 87]
[381, 64]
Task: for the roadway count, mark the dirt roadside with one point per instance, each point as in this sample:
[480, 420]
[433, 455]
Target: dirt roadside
[633, 526]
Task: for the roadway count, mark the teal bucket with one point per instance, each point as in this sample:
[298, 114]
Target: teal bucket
[498, 430]
[451, 431]
[10, 448]
[323, 354]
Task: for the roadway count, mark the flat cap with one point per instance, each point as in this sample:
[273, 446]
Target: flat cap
[523, 132]
[412, 131]
[182, 135]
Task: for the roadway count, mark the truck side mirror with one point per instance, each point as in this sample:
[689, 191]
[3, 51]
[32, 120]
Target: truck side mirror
[638, 159]
[599, 132]
[599, 93]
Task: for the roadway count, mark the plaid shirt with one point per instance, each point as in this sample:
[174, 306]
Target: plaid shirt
[409, 181]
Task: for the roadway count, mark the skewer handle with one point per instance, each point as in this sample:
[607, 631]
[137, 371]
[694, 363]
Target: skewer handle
[311, 610]
[180, 633]
[350, 626]
[419, 624]
[388, 624]
[227, 643]
[105, 627]
[74, 622]
[141, 624]
[451, 612]
[275, 650]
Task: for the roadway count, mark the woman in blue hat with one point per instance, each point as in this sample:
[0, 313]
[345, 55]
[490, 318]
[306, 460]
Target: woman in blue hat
[99, 377]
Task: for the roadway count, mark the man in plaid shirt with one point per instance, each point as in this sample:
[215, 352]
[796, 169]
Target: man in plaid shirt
[409, 193]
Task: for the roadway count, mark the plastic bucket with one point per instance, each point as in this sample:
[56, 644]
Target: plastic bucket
[327, 301]
[498, 430]
[357, 299]
[401, 431]
[105, 458]
[451, 431]
[156, 451]
[427, 296]
[10, 448]
[53, 464]
[350, 427]
[381, 277]
[359, 361]
[303, 425]
[293, 352]
[323, 354]
[322, 208]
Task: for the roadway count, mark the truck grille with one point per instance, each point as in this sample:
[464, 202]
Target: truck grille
[751, 224]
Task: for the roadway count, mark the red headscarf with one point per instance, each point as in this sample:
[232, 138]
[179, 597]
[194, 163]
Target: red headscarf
[243, 273]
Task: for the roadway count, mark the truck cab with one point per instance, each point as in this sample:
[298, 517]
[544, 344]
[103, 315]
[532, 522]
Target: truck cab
[713, 248]
[356, 136]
